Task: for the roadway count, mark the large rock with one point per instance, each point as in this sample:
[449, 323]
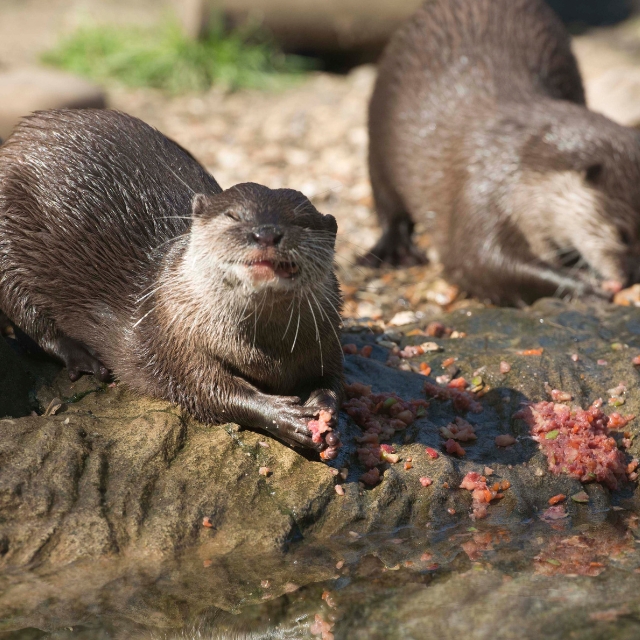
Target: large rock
[23, 91]
[610, 63]
[329, 27]
[102, 507]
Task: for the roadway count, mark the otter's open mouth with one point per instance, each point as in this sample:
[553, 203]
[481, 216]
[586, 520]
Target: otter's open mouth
[270, 268]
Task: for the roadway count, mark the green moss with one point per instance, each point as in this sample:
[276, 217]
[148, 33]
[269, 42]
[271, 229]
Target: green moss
[164, 58]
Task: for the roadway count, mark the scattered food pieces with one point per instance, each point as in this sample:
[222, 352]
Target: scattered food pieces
[329, 599]
[339, 489]
[628, 297]
[264, 471]
[379, 416]
[505, 440]
[454, 448]
[371, 477]
[505, 367]
[577, 441]
[207, 522]
[482, 494]
[322, 429]
[426, 482]
[580, 497]
[556, 512]
[560, 497]
[580, 555]
[575, 357]
[460, 430]
[602, 363]
[636, 361]
[557, 395]
[321, 628]
[459, 383]
[532, 352]
[366, 351]
[438, 330]
[488, 471]
[432, 453]
[463, 401]
[350, 349]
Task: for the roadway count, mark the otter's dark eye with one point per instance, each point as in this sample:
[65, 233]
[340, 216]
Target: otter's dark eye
[594, 173]
[232, 215]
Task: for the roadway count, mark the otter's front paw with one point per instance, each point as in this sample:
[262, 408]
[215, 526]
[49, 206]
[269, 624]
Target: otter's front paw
[396, 249]
[290, 422]
[325, 404]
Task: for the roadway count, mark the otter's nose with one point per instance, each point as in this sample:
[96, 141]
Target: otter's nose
[267, 236]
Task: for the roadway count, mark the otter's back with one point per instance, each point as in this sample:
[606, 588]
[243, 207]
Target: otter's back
[88, 196]
[507, 48]
[448, 71]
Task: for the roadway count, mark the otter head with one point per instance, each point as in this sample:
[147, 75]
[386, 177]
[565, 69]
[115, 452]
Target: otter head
[258, 238]
[578, 196]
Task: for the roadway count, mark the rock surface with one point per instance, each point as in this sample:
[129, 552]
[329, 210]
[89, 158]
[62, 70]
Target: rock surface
[31, 89]
[102, 504]
[332, 26]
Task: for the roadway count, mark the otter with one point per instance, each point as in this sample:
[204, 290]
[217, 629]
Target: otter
[478, 122]
[121, 255]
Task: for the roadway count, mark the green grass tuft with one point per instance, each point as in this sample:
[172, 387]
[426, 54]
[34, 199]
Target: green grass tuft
[164, 58]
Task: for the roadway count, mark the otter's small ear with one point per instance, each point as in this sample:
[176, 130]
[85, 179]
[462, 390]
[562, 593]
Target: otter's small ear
[200, 205]
[330, 223]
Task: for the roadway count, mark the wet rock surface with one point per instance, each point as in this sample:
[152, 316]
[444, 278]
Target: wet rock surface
[105, 506]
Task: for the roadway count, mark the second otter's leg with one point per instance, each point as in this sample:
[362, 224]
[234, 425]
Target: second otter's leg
[396, 245]
[505, 277]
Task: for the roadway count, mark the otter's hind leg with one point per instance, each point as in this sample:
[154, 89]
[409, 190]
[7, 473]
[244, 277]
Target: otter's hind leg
[78, 358]
[396, 245]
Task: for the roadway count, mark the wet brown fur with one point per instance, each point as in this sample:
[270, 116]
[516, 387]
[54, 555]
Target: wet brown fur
[478, 121]
[111, 262]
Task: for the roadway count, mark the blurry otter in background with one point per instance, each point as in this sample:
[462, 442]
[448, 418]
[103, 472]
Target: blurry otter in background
[478, 120]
